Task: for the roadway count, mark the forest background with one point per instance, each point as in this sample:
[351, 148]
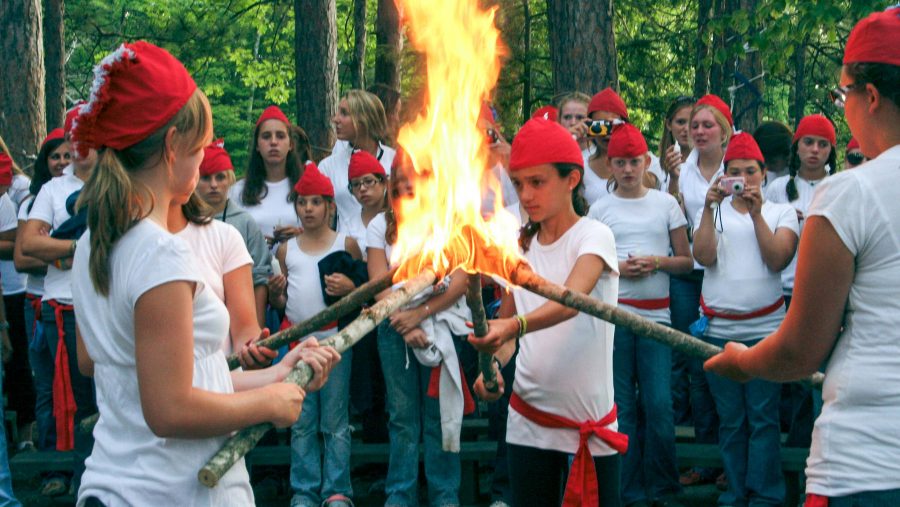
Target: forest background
[771, 59]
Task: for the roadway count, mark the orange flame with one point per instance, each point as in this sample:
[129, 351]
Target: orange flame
[441, 227]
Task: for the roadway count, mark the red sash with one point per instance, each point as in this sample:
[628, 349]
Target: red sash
[35, 302]
[434, 389]
[709, 312]
[813, 500]
[285, 323]
[63, 399]
[646, 304]
[581, 488]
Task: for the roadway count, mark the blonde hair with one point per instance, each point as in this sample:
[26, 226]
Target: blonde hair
[572, 97]
[116, 201]
[367, 114]
[720, 119]
[15, 167]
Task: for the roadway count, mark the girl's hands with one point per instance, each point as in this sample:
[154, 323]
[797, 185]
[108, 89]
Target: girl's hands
[482, 392]
[406, 321]
[338, 284]
[715, 194]
[726, 363]
[673, 162]
[753, 199]
[321, 359]
[285, 402]
[416, 338]
[499, 332]
[255, 357]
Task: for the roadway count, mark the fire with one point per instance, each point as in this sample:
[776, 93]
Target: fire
[441, 227]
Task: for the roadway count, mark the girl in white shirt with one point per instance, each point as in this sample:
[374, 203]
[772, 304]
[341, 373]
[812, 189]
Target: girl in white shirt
[564, 366]
[272, 171]
[647, 224]
[320, 474]
[152, 329]
[744, 242]
[360, 121]
[368, 184]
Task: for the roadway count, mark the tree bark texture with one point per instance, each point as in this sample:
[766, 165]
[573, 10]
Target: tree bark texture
[358, 71]
[526, 59]
[315, 44]
[582, 45]
[389, 44]
[22, 114]
[55, 62]
[748, 97]
[701, 65]
[524, 277]
[236, 447]
[798, 105]
[480, 327]
[720, 70]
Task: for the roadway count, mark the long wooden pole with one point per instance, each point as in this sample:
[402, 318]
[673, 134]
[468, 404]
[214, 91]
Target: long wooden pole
[524, 277]
[243, 441]
[480, 327]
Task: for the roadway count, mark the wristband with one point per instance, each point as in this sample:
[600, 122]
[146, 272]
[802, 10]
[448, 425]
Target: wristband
[657, 264]
[523, 325]
[73, 247]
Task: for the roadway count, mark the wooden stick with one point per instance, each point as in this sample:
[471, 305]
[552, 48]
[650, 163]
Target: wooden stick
[479, 322]
[243, 441]
[524, 277]
[347, 304]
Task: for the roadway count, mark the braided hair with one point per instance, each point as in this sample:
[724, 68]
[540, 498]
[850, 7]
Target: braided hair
[794, 167]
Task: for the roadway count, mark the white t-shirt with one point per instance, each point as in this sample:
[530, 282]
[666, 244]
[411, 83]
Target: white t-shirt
[776, 191]
[375, 233]
[20, 189]
[218, 249]
[693, 187]
[273, 210]
[336, 166]
[662, 177]
[566, 369]
[129, 465]
[740, 281]
[34, 284]
[856, 440]
[594, 186]
[50, 208]
[12, 281]
[642, 227]
[508, 195]
[304, 290]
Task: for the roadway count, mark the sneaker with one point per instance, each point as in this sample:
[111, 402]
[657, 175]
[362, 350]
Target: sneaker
[692, 478]
[337, 501]
[26, 446]
[54, 486]
[722, 482]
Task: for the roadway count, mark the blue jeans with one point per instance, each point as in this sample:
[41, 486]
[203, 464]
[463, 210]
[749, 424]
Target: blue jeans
[82, 387]
[749, 438]
[641, 377]
[7, 498]
[685, 307]
[885, 498]
[41, 360]
[410, 414]
[320, 470]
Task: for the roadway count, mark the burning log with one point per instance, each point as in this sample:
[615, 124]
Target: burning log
[524, 277]
[479, 322]
[243, 441]
[342, 307]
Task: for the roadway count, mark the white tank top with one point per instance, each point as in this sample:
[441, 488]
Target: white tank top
[304, 289]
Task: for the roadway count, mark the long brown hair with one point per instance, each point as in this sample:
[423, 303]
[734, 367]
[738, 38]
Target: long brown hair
[255, 188]
[668, 138]
[530, 229]
[115, 200]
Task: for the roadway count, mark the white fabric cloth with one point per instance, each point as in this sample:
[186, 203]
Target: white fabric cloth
[595, 187]
[662, 177]
[776, 191]
[129, 465]
[358, 231]
[508, 195]
[274, 210]
[218, 249]
[740, 281]
[304, 289]
[566, 369]
[20, 189]
[337, 166]
[375, 233]
[693, 187]
[642, 227]
[856, 440]
[50, 207]
[12, 281]
[34, 284]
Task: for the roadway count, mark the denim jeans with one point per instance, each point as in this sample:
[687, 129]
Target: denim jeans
[7, 498]
[885, 498]
[749, 438]
[641, 379]
[685, 307]
[82, 387]
[412, 413]
[41, 361]
[321, 468]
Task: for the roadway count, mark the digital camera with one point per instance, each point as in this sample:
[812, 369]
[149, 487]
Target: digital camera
[599, 128]
[732, 185]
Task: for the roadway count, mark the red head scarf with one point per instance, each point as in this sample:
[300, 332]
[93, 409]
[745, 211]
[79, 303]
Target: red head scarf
[816, 125]
[546, 112]
[542, 141]
[362, 162]
[54, 134]
[626, 142]
[314, 182]
[6, 171]
[273, 113]
[608, 100]
[215, 159]
[71, 114]
[719, 104]
[743, 146]
[853, 144]
[875, 39]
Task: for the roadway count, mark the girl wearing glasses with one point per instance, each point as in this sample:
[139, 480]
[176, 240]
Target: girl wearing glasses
[360, 120]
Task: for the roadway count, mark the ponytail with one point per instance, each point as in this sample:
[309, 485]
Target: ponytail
[579, 204]
[793, 167]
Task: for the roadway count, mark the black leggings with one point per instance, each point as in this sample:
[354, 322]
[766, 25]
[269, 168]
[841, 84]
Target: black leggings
[538, 477]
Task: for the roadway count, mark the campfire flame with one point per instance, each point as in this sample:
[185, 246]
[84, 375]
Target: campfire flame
[441, 227]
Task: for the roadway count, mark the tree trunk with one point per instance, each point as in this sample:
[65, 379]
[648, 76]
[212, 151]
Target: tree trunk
[389, 47]
[582, 45]
[720, 69]
[315, 57]
[798, 105]
[748, 98]
[358, 71]
[526, 59]
[701, 66]
[22, 115]
[55, 62]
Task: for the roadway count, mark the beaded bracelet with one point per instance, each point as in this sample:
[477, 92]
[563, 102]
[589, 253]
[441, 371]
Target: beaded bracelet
[523, 325]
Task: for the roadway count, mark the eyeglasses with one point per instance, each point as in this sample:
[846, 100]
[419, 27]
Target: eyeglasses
[855, 158]
[363, 183]
[839, 95]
